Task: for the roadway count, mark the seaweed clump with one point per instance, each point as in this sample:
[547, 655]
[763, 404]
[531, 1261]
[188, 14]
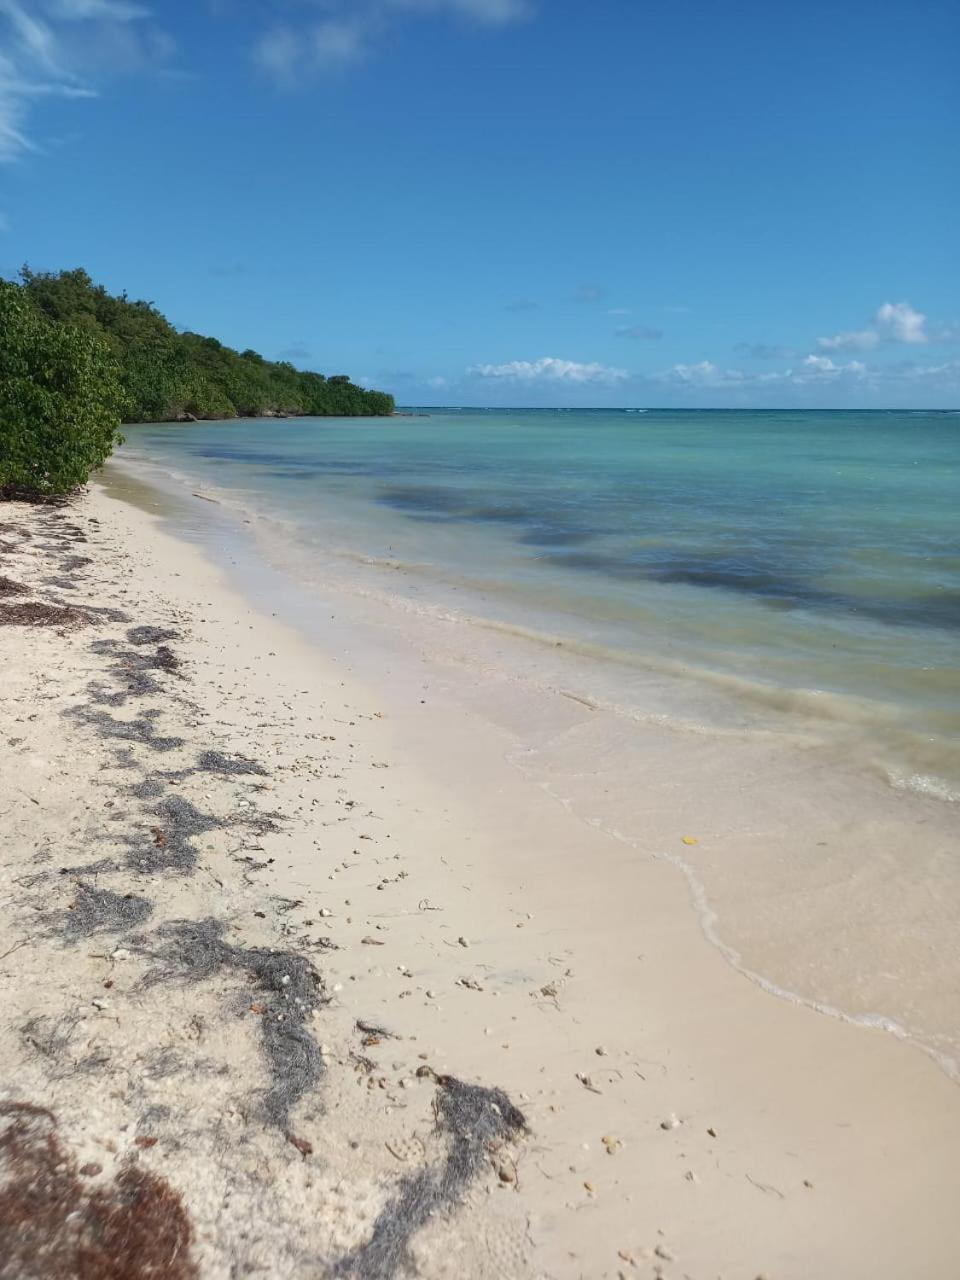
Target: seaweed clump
[290, 989]
[31, 613]
[58, 1225]
[476, 1121]
[99, 911]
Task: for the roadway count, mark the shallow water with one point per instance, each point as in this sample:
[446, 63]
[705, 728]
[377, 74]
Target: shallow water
[786, 572]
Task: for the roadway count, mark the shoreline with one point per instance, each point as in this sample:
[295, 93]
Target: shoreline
[814, 871]
[702, 1073]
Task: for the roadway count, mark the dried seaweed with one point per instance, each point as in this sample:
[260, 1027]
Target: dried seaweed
[290, 990]
[97, 910]
[477, 1121]
[151, 635]
[218, 762]
[141, 729]
[34, 614]
[56, 1226]
[169, 846]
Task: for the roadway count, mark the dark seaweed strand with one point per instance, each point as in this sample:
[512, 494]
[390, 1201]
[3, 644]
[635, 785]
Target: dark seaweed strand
[291, 989]
[477, 1121]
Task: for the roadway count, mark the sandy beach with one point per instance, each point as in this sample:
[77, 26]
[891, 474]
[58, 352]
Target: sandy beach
[302, 976]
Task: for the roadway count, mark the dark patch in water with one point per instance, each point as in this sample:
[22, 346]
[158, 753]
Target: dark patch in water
[776, 587]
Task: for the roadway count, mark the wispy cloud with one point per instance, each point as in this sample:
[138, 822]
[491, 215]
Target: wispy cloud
[351, 31]
[764, 351]
[893, 322]
[549, 369]
[588, 293]
[48, 48]
[83, 10]
[639, 332]
[521, 304]
[812, 369]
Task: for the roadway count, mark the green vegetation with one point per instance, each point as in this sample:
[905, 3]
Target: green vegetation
[169, 375]
[61, 400]
[76, 361]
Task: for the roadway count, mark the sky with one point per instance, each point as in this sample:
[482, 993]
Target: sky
[510, 202]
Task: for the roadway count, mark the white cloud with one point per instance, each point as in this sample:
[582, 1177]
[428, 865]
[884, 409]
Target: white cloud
[858, 340]
[549, 369]
[813, 369]
[111, 10]
[495, 12]
[893, 322]
[337, 43]
[352, 30]
[900, 323]
[46, 44]
[703, 374]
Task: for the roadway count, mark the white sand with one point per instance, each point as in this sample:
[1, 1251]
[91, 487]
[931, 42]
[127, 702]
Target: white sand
[796, 1145]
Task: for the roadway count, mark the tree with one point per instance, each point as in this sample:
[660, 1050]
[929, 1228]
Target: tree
[61, 400]
[167, 374]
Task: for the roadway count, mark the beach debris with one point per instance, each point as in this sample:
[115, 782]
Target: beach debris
[600, 1051]
[95, 910]
[476, 1122]
[142, 729]
[671, 1122]
[690, 840]
[302, 1145]
[151, 635]
[712, 1132]
[587, 1082]
[31, 613]
[171, 847]
[611, 1144]
[372, 1029]
[472, 984]
[463, 942]
[225, 765]
[290, 988]
[53, 1224]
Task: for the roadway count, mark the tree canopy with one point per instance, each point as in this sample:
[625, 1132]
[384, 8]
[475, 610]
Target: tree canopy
[168, 375]
[61, 400]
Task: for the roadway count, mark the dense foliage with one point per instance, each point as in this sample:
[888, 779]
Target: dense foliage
[61, 400]
[169, 375]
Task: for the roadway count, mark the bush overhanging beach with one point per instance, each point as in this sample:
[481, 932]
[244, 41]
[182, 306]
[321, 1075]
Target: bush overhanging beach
[75, 361]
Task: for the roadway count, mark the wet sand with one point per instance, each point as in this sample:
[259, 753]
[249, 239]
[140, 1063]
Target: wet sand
[681, 1120]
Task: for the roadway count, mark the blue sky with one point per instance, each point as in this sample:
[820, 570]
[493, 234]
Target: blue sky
[510, 201]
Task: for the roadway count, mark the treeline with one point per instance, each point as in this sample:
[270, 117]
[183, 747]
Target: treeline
[169, 376]
[75, 362]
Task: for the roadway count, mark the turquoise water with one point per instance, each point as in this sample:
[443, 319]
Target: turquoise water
[773, 567]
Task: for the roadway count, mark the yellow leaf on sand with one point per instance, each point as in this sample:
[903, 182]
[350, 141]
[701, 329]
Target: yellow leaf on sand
[690, 840]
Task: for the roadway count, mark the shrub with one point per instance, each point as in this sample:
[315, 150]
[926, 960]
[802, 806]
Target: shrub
[61, 401]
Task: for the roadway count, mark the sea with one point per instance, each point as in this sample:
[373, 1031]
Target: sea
[784, 570]
[728, 640]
